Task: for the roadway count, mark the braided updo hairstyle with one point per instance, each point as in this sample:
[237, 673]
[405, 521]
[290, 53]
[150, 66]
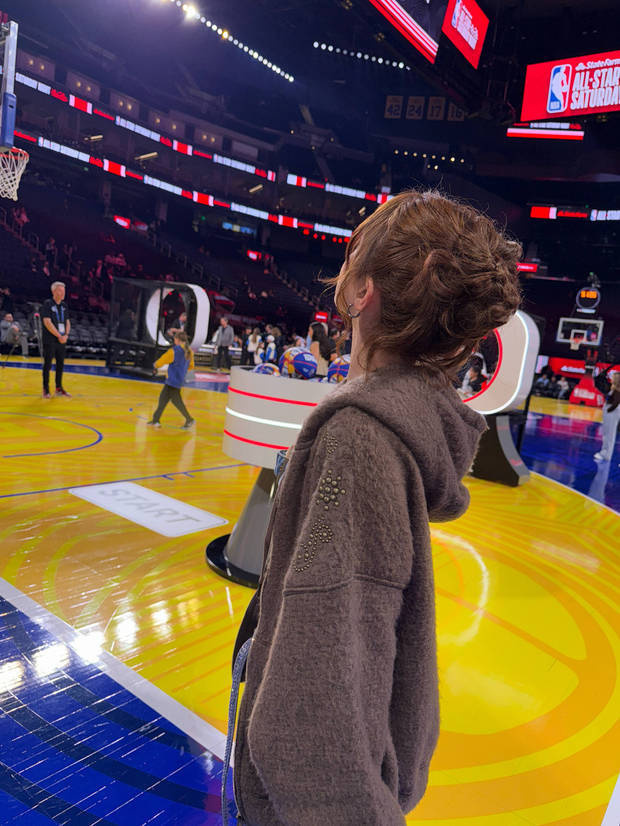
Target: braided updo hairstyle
[447, 276]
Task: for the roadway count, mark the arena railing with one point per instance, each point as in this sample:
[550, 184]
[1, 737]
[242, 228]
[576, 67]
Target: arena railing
[13, 226]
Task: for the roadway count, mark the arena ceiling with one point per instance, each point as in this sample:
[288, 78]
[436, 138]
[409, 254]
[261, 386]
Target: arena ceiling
[147, 48]
[153, 33]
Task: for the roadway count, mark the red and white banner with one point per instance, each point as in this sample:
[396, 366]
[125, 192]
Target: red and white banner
[575, 367]
[398, 15]
[465, 24]
[548, 130]
[573, 86]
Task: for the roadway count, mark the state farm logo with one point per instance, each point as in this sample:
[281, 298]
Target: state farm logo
[559, 88]
[580, 393]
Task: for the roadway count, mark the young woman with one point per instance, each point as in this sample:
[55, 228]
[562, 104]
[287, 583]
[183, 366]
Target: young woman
[611, 418]
[320, 347]
[181, 359]
[252, 343]
[340, 714]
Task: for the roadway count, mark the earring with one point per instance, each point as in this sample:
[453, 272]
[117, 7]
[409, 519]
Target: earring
[357, 315]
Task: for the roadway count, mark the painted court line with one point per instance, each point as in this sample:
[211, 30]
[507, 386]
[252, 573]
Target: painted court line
[53, 419]
[132, 479]
[180, 716]
[103, 372]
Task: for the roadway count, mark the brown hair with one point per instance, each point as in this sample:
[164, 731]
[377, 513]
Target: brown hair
[182, 337]
[446, 275]
[319, 335]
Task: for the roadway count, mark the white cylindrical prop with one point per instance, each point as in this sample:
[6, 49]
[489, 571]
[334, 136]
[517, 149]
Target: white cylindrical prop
[264, 414]
[518, 344]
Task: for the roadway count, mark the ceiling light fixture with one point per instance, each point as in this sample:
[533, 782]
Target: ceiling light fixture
[360, 55]
[191, 13]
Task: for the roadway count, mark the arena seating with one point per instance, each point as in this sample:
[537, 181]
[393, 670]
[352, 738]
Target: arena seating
[258, 288]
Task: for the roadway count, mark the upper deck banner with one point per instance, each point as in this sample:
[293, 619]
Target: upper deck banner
[571, 87]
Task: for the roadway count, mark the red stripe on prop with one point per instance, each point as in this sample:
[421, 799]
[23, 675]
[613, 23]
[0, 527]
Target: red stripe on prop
[252, 442]
[270, 398]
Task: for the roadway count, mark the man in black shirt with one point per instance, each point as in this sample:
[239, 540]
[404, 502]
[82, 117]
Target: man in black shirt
[56, 329]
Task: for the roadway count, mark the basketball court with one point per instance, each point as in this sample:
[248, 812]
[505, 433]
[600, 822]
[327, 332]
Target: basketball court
[116, 636]
[100, 608]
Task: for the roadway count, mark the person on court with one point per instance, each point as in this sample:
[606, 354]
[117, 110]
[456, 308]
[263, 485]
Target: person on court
[181, 359]
[340, 713]
[611, 415]
[224, 339]
[56, 327]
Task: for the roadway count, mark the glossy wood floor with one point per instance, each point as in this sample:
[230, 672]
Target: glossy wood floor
[528, 585]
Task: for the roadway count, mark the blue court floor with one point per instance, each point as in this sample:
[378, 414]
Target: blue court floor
[80, 749]
[563, 448]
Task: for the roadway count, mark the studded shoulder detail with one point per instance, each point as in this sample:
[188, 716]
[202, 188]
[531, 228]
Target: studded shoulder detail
[320, 534]
[331, 443]
[329, 496]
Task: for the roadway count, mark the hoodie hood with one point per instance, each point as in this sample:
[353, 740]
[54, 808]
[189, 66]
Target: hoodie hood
[435, 426]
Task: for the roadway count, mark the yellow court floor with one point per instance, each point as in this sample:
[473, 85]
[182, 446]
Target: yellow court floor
[528, 586]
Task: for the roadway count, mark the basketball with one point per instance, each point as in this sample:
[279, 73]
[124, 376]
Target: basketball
[287, 359]
[338, 370]
[267, 369]
[304, 365]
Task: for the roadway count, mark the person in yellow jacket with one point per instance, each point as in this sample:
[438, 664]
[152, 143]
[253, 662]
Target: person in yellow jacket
[181, 359]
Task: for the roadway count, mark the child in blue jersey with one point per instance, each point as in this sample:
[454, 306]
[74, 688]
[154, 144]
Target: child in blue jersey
[181, 359]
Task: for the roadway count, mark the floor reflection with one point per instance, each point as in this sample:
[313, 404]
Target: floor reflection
[563, 448]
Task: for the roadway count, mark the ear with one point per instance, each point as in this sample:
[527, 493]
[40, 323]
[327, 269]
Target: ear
[365, 293]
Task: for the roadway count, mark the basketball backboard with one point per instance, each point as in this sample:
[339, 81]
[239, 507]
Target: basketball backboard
[580, 331]
[8, 103]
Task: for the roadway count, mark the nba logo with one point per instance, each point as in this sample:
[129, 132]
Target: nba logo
[559, 88]
[455, 14]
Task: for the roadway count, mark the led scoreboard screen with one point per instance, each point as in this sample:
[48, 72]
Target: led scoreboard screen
[588, 298]
[465, 24]
[573, 86]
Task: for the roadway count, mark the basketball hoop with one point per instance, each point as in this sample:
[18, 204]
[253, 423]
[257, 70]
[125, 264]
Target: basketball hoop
[12, 164]
[577, 338]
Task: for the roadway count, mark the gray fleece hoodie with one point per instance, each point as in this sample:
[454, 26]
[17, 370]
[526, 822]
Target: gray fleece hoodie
[340, 715]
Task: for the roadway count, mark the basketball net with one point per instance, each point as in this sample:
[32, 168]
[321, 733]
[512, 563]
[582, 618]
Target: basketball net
[12, 164]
